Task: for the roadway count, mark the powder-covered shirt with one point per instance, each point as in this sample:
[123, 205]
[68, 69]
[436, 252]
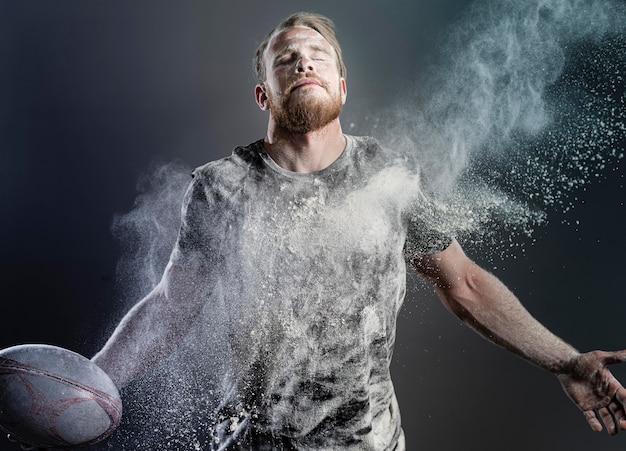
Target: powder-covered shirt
[303, 276]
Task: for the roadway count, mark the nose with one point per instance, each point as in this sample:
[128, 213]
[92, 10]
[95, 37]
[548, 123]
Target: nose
[304, 64]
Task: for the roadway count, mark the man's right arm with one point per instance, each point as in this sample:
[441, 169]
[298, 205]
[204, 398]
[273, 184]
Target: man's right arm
[153, 328]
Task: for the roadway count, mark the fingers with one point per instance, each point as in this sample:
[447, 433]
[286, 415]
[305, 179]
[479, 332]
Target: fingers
[23, 445]
[593, 421]
[613, 417]
[618, 408]
[620, 394]
[619, 414]
[608, 420]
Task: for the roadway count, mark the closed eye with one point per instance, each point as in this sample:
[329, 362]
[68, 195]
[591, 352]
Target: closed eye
[285, 59]
[320, 54]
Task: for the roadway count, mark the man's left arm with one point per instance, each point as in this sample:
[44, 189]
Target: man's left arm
[483, 302]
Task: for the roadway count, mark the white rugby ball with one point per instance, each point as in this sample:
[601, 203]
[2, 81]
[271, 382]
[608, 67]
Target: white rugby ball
[52, 397]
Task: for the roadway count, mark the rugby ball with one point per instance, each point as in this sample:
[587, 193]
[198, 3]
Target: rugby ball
[51, 397]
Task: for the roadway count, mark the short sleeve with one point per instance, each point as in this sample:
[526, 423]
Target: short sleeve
[192, 245]
[428, 227]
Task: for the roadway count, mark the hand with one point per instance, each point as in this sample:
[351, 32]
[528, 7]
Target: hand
[588, 382]
[23, 445]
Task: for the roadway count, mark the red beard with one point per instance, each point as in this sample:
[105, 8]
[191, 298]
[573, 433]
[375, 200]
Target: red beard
[303, 114]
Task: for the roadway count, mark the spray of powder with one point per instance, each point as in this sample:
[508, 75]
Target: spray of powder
[524, 106]
[146, 235]
[148, 231]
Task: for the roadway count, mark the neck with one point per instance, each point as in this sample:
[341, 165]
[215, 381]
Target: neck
[305, 152]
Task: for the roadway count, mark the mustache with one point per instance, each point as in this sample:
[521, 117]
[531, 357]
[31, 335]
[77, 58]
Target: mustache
[296, 80]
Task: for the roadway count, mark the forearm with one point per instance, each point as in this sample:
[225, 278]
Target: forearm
[137, 344]
[483, 302]
[153, 328]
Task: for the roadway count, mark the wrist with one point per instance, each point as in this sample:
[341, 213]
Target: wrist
[566, 364]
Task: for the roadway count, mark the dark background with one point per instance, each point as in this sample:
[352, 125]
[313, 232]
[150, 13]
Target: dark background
[93, 93]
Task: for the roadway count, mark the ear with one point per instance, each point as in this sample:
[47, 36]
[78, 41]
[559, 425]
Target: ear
[344, 90]
[260, 95]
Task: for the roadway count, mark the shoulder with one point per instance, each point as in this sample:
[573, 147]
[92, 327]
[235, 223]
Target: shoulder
[228, 173]
[242, 160]
[369, 157]
[370, 148]
[363, 145]
[217, 182]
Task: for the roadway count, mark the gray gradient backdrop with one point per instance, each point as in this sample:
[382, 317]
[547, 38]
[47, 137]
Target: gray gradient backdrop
[93, 92]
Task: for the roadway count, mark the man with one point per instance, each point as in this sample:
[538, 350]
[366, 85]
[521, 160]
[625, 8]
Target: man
[290, 267]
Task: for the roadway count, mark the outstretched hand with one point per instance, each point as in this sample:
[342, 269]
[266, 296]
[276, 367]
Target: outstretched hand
[23, 445]
[589, 383]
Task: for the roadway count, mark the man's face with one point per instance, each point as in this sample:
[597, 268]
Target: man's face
[303, 88]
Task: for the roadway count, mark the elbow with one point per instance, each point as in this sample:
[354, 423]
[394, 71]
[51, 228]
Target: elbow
[462, 297]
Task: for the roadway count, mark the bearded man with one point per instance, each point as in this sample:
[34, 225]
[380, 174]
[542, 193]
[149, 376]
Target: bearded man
[291, 263]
